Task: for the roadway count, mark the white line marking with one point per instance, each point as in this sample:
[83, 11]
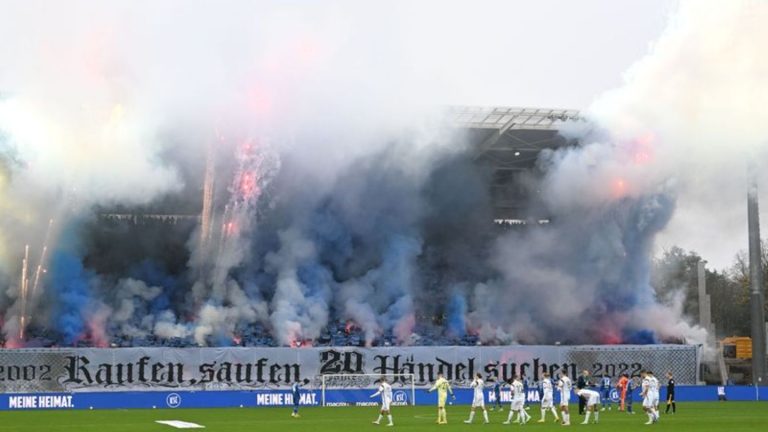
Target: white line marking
[180, 424]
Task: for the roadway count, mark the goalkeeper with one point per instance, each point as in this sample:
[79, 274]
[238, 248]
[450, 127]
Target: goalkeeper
[443, 388]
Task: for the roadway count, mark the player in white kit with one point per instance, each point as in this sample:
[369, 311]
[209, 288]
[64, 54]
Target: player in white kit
[656, 389]
[650, 394]
[385, 390]
[547, 398]
[564, 386]
[518, 402]
[478, 401]
[592, 399]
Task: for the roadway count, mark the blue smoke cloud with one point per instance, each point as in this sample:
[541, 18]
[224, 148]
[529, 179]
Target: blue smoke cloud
[640, 337]
[457, 313]
[70, 284]
[153, 275]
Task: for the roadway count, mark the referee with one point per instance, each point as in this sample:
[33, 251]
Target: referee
[671, 393]
[582, 382]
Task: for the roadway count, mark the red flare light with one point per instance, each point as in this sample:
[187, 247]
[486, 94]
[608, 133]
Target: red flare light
[642, 149]
[301, 344]
[608, 334]
[14, 343]
[610, 339]
[259, 100]
[248, 185]
[619, 188]
[230, 228]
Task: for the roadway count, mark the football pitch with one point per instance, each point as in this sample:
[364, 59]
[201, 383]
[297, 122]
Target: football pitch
[694, 417]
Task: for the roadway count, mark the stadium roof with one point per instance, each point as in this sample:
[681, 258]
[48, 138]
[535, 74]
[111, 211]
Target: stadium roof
[515, 118]
[508, 140]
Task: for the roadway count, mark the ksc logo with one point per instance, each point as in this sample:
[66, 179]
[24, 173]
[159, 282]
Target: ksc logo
[614, 395]
[400, 397]
[173, 400]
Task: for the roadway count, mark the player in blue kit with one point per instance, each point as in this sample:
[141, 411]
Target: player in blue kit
[631, 386]
[605, 392]
[296, 391]
[497, 394]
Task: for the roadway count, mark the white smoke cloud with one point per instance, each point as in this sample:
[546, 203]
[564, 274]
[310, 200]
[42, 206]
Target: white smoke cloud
[698, 99]
[129, 290]
[298, 314]
[166, 327]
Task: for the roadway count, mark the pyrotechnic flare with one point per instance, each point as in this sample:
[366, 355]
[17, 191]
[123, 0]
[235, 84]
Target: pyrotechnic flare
[255, 169]
[207, 213]
[23, 290]
[225, 224]
[40, 264]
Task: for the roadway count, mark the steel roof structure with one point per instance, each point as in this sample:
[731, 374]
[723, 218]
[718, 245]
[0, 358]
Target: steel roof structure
[508, 141]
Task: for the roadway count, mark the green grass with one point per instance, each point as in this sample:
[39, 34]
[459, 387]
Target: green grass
[693, 417]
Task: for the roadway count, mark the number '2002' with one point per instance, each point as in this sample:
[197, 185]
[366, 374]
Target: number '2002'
[25, 373]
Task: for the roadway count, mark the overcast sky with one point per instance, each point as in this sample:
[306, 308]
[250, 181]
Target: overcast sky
[548, 53]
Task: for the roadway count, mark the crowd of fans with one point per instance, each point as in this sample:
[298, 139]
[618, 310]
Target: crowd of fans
[336, 333]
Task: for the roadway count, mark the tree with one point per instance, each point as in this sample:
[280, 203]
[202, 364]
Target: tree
[740, 275]
[674, 272]
[729, 304]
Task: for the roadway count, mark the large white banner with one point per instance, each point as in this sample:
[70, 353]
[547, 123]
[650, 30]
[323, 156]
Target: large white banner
[121, 369]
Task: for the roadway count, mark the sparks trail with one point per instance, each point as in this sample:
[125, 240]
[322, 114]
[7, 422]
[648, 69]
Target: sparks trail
[256, 168]
[41, 263]
[26, 296]
[220, 300]
[23, 288]
[206, 217]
